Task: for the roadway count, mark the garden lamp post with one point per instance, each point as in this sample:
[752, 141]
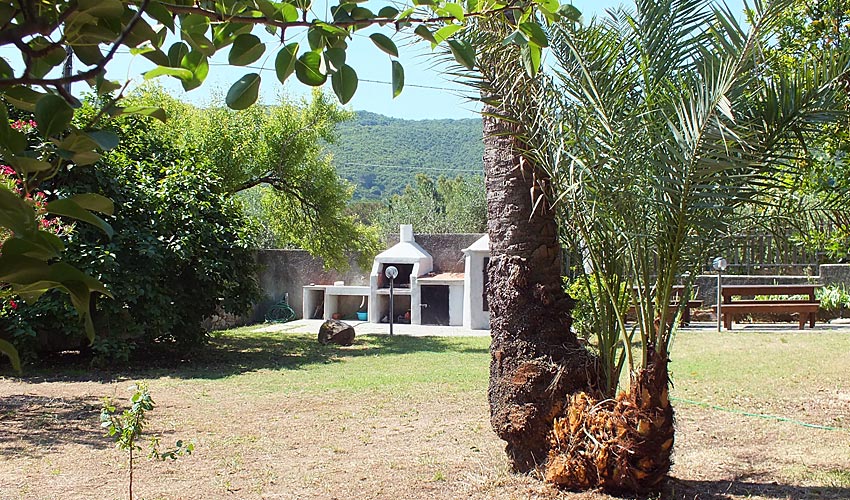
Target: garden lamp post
[719, 264]
[391, 272]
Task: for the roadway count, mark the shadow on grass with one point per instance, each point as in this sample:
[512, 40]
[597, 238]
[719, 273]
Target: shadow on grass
[726, 490]
[35, 425]
[239, 351]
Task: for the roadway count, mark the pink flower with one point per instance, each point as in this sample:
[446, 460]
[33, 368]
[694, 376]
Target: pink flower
[7, 171]
[13, 304]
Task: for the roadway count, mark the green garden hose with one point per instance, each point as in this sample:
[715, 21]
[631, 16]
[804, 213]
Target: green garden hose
[280, 312]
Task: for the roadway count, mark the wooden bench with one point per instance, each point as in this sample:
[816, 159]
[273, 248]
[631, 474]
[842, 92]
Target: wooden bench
[806, 308]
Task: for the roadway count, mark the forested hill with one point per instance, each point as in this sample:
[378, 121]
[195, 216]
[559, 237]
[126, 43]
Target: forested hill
[381, 155]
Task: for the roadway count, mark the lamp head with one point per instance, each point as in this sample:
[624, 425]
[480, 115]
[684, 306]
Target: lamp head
[719, 264]
[391, 272]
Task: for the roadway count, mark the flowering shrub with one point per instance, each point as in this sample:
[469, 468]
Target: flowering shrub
[178, 254]
[15, 327]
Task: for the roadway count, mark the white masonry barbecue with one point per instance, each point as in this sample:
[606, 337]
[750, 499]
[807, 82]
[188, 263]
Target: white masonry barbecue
[412, 261]
[441, 297]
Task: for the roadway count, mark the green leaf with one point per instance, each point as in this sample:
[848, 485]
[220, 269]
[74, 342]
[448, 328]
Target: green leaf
[530, 55]
[79, 148]
[53, 115]
[22, 97]
[335, 58]
[398, 78]
[103, 86]
[444, 33]
[384, 43]
[244, 92]
[94, 202]
[15, 214]
[344, 83]
[246, 49]
[6, 71]
[515, 38]
[88, 54]
[43, 246]
[455, 10]
[284, 63]
[25, 164]
[102, 8]
[388, 12]
[104, 139]
[135, 51]
[181, 73]
[308, 69]
[534, 33]
[194, 23]
[197, 63]
[11, 139]
[68, 207]
[315, 38]
[463, 53]
[424, 33]
[288, 12]
[81, 158]
[570, 12]
[550, 6]
[200, 43]
[9, 350]
[176, 53]
[151, 111]
[361, 13]
[161, 15]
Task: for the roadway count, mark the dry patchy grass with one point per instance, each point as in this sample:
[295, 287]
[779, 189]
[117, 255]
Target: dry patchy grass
[278, 417]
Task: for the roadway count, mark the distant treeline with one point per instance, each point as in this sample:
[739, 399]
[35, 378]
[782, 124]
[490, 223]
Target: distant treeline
[381, 155]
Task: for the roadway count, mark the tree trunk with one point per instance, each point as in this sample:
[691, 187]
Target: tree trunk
[536, 360]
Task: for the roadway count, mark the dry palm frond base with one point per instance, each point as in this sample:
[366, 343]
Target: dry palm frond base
[619, 445]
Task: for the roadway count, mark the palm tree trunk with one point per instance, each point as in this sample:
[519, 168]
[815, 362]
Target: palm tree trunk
[536, 360]
[622, 445]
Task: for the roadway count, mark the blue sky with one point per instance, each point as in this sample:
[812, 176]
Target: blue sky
[427, 93]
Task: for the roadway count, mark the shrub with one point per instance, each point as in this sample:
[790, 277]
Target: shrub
[178, 254]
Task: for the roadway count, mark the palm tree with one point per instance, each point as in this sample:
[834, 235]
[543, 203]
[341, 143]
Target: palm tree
[653, 128]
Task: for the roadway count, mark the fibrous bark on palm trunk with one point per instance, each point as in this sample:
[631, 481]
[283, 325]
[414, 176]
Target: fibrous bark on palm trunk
[536, 361]
[622, 444]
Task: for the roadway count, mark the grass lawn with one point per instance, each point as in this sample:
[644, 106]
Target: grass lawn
[276, 415]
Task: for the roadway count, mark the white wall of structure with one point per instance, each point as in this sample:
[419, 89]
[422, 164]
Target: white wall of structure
[474, 315]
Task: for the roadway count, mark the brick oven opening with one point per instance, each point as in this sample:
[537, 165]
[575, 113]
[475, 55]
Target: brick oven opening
[401, 281]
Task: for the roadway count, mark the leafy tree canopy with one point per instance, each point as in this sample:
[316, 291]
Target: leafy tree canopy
[272, 159]
[446, 206]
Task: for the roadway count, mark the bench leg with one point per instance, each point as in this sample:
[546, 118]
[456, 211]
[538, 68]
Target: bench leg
[727, 320]
[812, 318]
[686, 316]
[803, 319]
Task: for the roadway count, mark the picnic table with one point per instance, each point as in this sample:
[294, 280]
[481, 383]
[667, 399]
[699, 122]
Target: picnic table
[745, 303]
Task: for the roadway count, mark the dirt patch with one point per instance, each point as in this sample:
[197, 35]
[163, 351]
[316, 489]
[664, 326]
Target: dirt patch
[339, 445]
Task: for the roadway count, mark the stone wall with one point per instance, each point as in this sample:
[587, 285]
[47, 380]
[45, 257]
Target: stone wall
[287, 271]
